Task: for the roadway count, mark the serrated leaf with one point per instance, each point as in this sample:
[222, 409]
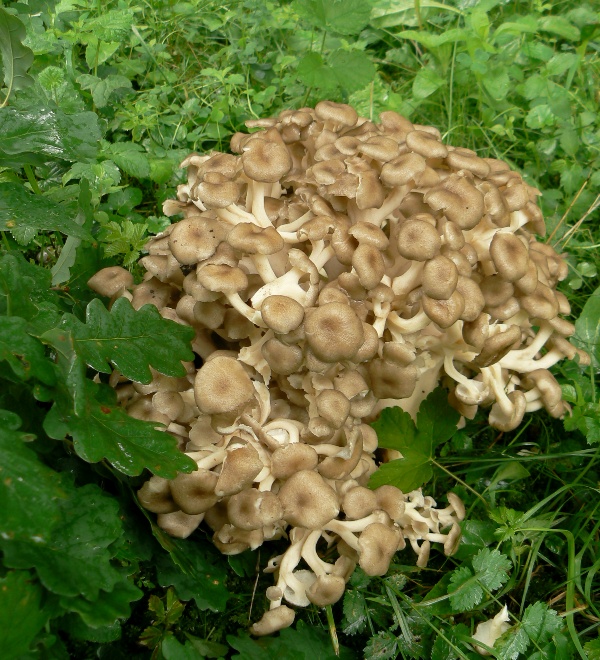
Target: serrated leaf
[342, 16]
[492, 568]
[132, 341]
[352, 69]
[465, 593]
[203, 579]
[50, 133]
[382, 646]
[131, 158]
[511, 644]
[559, 26]
[592, 648]
[540, 623]
[30, 492]
[172, 649]
[19, 208]
[23, 235]
[21, 613]
[445, 649]
[436, 423]
[97, 51]
[108, 607]
[25, 355]
[587, 328]
[355, 612]
[75, 559]
[16, 58]
[102, 430]
[313, 72]
[111, 25]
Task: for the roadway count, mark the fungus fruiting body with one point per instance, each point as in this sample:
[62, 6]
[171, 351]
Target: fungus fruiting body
[331, 267]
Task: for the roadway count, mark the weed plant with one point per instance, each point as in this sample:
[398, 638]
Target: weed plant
[99, 103]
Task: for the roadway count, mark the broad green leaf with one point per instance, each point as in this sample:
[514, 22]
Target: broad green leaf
[203, 579]
[426, 82]
[50, 133]
[389, 13]
[74, 625]
[511, 644]
[97, 52]
[592, 648]
[103, 430]
[436, 423]
[111, 25]
[382, 646]
[16, 58]
[560, 63]
[132, 341]
[445, 649]
[492, 568]
[342, 16]
[75, 560]
[207, 648]
[19, 208]
[25, 355]
[352, 69]
[432, 41]
[313, 72]
[540, 623]
[61, 271]
[587, 328]
[108, 607]
[21, 613]
[30, 492]
[497, 84]
[171, 649]
[131, 158]
[559, 26]
[102, 88]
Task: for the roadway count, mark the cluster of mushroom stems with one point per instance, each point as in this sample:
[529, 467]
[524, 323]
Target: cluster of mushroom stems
[330, 267]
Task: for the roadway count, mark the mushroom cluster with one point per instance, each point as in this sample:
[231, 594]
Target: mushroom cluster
[332, 266]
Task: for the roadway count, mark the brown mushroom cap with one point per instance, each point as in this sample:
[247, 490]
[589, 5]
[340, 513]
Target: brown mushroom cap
[239, 469]
[334, 332]
[440, 277]
[293, 458]
[503, 422]
[498, 345]
[339, 114]
[368, 263]
[333, 407]
[273, 620]
[510, 256]
[391, 381]
[222, 278]
[194, 492]
[308, 501]
[252, 239]
[254, 509]
[418, 240]
[222, 385]
[178, 524]
[194, 239]
[359, 502]
[282, 314]
[444, 312]
[425, 144]
[377, 544]
[109, 281]
[265, 161]
[155, 495]
[282, 358]
[326, 590]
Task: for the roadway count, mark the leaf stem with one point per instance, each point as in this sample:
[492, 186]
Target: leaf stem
[460, 481]
[32, 180]
[332, 630]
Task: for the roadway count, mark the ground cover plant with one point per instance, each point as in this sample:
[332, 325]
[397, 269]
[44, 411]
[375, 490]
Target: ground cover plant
[98, 105]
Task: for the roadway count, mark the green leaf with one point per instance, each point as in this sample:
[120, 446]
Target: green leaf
[442, 649]
[540, 623]
[51, 133]
[492, 568]
[587, 328]
[75, 559]
[342, 16]
[355, 612]
[382, 646]
[131, 158]
[511, 644]
[174, 650]
[352, 69]
[30, 492]
[97, 52]
[21, 613]
[313, 72]
[102, 88]
[432, 41]
[559, 26]
[74, 625]
[16, 58]
[436, 423]
[132, 341]
[592, 648]
[200, 575]
[464, 592]
[19, 208]
[108, 607]
[111, 25]
[25, 355]
[426, 82]
[102, 430]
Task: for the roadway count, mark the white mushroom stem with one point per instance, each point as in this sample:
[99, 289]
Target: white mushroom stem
[310, 556]
[411, 278]
[381, 311]
[283, 431]
[258, 203]
[492, 376]
[292, 227]
[289, 560]
[346, 529]
[286, 285]
[250, 313]
[514, 359]
[390, 204]
[407, 326]
[233, 215]
[476, 390]
[213, 460]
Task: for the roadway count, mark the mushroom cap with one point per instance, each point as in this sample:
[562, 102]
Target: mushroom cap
[254, 509]
[333, 407]
[326, 590]
[252, 239]
[216, 191]
[194, 239]
[498, 345]
[391, 381]
[426, 144]
[265, 161]
[391, 500]
[337, 113]
[440, 277]
[308, 501]
[334, 332]
[178, 523]
[109, 281]
[155, 495]
[444, 312]
[500, 420]
[282, 359]
[359, 502]
[222, 385]
[222, 278]
[418, 240]
[293, 458]
[239, 469]
[194, 493]
[510, 256]
[273, 620]
[377, 544]
[457, 504]
[368, 263]
[281, 313]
